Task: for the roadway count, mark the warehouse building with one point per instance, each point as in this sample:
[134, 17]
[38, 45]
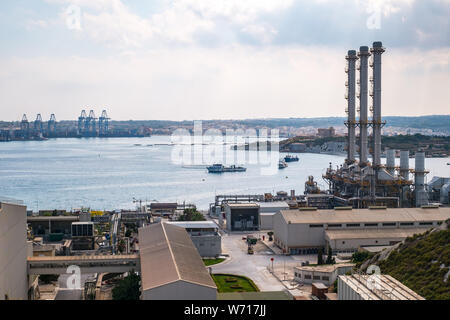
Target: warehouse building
[305, 230]
[373, 287]
[13, 252]
[242, 216]
[171, 267]
[205, 236]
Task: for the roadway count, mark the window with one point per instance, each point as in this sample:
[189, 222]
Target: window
[426, 223]
[406, 223]
[325, 278]
[343, 242]
[307, 276]
[371, 224]
[335, 225]
[353, 225]
[296, 274]
[389, 224]
[316, 278]
[316, 225]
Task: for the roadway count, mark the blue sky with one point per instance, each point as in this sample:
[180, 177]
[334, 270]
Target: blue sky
[203, 59]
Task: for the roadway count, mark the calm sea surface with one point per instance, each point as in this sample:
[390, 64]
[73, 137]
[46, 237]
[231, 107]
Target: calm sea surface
[109, 173]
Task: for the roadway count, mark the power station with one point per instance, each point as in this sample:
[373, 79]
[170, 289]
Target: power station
[361, 182]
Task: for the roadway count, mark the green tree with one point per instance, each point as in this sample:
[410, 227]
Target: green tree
[320, 256]
[128, 288]
[191, 215]
[330, 259]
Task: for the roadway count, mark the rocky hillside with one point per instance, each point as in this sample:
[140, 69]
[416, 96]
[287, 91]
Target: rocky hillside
[421, 262]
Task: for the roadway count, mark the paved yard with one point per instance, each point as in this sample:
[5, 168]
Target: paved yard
[256, 266]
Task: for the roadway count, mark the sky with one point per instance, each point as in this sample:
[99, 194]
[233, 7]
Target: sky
[214, 59]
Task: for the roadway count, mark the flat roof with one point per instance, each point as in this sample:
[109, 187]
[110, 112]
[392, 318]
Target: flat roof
[366, 215]
[243, 205]
[194, 224]
[273, 204]
[325, 268]
[385, 287]
[373, 233]
[54, 218]
[169, 255]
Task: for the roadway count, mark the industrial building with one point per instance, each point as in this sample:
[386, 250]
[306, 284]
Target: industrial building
[373, 287]
[171, 266]
[361, 182]
[242, 216]
[325, 274]
[13, 252]
[305, 230]
[205, 236]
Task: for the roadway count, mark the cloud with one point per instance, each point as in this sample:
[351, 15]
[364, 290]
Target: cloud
[235, 82]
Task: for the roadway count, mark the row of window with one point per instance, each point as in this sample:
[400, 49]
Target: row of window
[308, 277]
[384, 224]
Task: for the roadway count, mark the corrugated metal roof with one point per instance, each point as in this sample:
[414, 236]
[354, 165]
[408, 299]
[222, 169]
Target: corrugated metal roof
[379, 287]
[168, 255]
[366, 215]
[373, 233]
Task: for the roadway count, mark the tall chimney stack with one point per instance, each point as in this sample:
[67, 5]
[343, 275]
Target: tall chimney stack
[377, 50]
[350, 96]
[363, 96]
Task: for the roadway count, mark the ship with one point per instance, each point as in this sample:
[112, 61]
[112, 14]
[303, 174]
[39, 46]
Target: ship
[282, 164]
[219, 168]
[290, 158]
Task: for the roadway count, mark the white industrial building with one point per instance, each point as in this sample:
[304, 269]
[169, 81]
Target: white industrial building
[267, 210]
[205, 236]
[13, 252]
[171, 267]
[325, 274]
[373, 287]
[304, 231]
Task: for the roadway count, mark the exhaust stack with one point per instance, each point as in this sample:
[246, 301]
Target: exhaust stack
[363, 85]
[390, 161]
[377, 50]
[404, 164]
[350, 96]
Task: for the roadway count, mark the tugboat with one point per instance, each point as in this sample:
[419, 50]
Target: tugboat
[219, 168]
[282, 164]
[290, 158]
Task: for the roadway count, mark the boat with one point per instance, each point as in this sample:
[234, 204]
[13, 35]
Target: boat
[290, 158]
[219, 168]
[282, 164]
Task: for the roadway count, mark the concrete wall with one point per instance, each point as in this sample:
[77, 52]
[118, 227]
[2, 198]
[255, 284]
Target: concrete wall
[266, 221]
[345, 292]
[350, 245]
[13, 252]
[208, 245]
[180, 290]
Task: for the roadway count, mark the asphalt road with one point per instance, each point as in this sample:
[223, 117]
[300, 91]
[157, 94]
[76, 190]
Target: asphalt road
[255, 266]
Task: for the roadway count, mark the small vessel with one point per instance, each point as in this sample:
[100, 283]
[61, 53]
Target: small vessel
[290, 158]
[448, 163]
[282, 164]
[219, 168]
